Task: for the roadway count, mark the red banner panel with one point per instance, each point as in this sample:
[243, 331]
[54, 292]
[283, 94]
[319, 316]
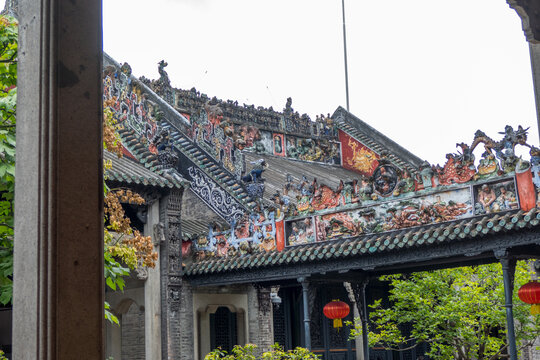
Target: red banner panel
[526, 191]
[356, 156]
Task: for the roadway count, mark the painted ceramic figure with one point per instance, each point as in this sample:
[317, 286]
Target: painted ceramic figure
[455, 170]
[348, 195]
[406, 184]
[324, 197]
[488, 166]
[364, 188]
[385, 179]
[259, 166]
[426, 173]
[278, 145]
[504, 149]
[486, 197]
[301, 232]
[505, 201]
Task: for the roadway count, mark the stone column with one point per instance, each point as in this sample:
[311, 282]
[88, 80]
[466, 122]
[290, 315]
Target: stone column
[171, 275]
[359, 290]
[508, 269]
[266, 335]
[59, 285]
[355, 296]
[307, 321]
[187, 344]
[252, 315]
[152, 298]
[260, 318]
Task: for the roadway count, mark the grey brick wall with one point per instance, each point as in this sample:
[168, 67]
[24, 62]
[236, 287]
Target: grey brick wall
[132, 327]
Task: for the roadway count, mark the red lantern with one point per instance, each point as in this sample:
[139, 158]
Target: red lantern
[530, 294]
[336, 310]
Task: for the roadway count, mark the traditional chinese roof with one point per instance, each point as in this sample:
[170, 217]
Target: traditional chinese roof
[129, 171]
[478, 228]
[376, 141]
[393, 203]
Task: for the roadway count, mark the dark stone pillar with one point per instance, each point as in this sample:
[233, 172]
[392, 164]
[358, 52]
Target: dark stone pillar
[253, 315]
[171, 276]
[307, 320]
[59, 285]
[509, 268]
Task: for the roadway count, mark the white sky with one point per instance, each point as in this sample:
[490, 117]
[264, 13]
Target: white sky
[427, 73]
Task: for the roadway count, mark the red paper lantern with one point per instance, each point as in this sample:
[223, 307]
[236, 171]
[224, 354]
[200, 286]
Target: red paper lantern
[530, 294]
[336, 310]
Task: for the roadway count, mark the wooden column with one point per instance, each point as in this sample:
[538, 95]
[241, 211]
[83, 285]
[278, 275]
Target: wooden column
[59, 286]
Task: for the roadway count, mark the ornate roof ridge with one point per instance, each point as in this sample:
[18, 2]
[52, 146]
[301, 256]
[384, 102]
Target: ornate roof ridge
[421, 236]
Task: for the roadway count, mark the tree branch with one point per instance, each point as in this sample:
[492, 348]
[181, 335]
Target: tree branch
[11, 59]
[497, 355]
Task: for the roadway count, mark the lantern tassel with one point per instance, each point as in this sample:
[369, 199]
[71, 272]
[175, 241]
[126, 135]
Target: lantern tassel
[338, 323]
[535, 309]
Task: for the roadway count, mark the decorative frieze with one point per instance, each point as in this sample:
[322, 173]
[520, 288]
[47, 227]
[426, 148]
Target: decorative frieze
[218, 199]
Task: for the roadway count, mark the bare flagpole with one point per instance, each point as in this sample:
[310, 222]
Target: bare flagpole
[345, 55]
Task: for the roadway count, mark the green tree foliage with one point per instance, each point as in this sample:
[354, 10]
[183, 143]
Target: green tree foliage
[459, 312]
[8, 103]
[248, 352]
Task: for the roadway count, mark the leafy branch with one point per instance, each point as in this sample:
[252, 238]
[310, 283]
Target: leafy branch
[458, 312]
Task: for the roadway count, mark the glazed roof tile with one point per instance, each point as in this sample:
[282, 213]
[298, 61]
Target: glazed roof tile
[132, 143]
[130, 171]
[278, 167]
[424, 236]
